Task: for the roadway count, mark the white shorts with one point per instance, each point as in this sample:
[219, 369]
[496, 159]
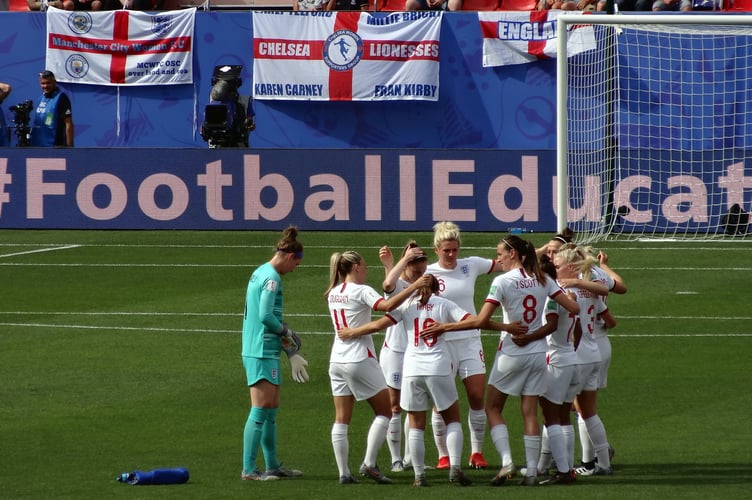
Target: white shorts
[467, 356]
[562, 383]
[604, 346]
[418, 392]
[589, 376]
[391, 366]
[519, 375]
[362, 379]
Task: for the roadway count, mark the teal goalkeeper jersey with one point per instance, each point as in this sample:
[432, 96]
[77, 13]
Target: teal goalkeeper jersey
[263, 314]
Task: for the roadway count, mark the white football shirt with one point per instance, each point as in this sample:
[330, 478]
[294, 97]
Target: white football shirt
[350, 305]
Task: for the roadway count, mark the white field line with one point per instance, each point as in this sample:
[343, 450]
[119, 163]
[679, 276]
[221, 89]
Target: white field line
[39, 250]
[310, 266]
[327, 333]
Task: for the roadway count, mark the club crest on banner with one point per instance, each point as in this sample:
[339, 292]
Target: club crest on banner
[343, 49]
[77, 66]
[80, 22]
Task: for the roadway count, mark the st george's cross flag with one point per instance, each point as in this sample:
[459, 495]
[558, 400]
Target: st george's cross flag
[346, 56]
[523, 37]
[121, 47]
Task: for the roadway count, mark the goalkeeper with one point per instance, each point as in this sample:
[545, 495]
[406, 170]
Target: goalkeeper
[265, 336]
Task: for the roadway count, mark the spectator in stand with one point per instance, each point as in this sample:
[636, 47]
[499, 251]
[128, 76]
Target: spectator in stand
[35, 5]
[628, 5]
[52, 122]
[310, 5]
[361, 5]
[433, 5]
[672, 5]
[4, 130]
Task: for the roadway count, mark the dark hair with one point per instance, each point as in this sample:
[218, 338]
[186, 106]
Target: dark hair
[47, 75]
[413, 244]
[527, 256]
[547, 266]
[289, 242]
[425, 292]
[566, 236]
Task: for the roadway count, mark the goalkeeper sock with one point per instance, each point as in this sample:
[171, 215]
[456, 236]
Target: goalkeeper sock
[269, 439]
[252, 437]
[439, 433]
[394, 437]
[341, 446]
[376, 437]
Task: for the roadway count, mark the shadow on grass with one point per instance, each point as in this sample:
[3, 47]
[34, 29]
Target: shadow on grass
[676, 473]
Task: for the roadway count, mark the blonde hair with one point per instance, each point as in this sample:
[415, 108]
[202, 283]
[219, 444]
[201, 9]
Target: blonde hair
[340, 265]
[445, 231]
[583, 261]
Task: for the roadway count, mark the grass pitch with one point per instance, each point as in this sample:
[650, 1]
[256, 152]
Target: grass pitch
[120, 350]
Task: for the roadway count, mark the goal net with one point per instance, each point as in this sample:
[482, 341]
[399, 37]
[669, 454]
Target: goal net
[655, 127]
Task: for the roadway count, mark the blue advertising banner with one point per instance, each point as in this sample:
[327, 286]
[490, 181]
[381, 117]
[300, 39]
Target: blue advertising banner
[483, 190]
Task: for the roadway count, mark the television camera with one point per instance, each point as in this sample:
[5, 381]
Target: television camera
[21, 122]
[228, 118]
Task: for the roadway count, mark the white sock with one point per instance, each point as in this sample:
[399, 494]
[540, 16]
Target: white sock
[532, 451]
[476, 423]
[376, 438]
[597, 433]
[588, 452]
[500, 438]
[394, 436]
[408, 455]
[439, 433]
[544, 462]
[341, 447]
[558, 447]
[418, 450]
[568, 431]
[454, 444]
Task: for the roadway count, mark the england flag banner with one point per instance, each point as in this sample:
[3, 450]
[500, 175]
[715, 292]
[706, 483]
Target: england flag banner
[346, 56]
[523, 37]
[121, 47]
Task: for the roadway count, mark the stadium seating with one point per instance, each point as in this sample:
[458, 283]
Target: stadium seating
[390, 5]
[480, 4]
[518, 5]
[737, 5]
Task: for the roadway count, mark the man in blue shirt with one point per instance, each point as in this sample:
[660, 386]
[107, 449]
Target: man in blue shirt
[53, 118]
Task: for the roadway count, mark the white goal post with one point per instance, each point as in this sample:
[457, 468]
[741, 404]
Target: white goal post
[654, 126]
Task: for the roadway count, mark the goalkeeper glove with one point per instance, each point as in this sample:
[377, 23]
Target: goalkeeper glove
[298, 365]
[291, 342]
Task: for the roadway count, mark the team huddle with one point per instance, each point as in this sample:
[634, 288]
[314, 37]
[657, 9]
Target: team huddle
[553, 352]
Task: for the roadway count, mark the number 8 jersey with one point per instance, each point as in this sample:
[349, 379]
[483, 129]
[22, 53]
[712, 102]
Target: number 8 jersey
[522, 298]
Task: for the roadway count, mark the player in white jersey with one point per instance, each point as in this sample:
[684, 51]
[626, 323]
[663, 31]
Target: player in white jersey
[428, 374]
[614, 283]
[411, 266]
[353, 369]
[575, 263]
[457, 278]
[520, 362]
[562, 385]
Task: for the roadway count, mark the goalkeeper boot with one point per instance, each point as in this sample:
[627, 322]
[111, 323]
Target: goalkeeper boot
[283, 471]
[257, 475]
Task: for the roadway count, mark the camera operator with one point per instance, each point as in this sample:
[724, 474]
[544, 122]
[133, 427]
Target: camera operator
[4, 130]
[53, 117]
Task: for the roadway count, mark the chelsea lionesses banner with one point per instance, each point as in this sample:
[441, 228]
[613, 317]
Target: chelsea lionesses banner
[346, 56]
[523, 37]
[121, 47]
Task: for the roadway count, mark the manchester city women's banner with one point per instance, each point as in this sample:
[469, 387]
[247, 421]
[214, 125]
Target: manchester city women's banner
[121, 47]
[346, 56]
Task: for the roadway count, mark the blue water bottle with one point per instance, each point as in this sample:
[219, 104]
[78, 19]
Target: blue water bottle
[519, 230]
